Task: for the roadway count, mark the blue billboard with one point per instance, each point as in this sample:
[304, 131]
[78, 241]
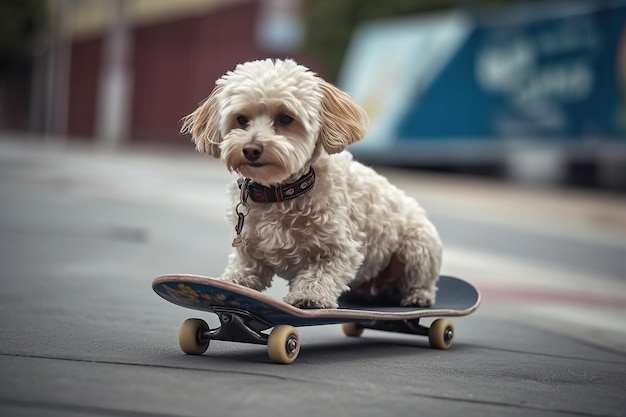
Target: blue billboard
[554, 74]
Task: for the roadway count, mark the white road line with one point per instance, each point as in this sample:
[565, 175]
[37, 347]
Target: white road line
[503, 270]
[584, 306]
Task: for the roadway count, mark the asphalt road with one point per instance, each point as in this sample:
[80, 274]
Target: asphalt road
[83, 233]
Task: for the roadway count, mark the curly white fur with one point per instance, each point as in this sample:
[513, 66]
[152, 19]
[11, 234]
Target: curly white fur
[352, 229]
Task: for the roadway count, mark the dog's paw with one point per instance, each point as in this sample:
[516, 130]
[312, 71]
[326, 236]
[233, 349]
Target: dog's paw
[245, 281]
[310, 303]
[419, 298]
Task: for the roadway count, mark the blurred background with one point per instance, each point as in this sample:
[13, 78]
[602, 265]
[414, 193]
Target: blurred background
[533, 91]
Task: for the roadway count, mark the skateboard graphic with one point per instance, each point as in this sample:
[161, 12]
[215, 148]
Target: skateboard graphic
[245, 314]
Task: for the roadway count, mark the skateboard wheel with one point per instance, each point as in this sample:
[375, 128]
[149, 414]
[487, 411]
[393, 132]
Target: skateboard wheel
[440, 334]
[189, 337]
[283, 344]
[352, 329]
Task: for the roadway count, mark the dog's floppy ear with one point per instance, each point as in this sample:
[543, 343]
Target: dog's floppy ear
[203, 124]
[343, 121]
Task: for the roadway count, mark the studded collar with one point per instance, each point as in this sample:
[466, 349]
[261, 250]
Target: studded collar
[262, 194]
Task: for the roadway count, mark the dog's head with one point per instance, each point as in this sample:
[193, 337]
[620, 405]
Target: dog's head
[268, 120]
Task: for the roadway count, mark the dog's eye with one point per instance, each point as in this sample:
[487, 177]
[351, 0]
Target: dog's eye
[242, 120]
[284, 119]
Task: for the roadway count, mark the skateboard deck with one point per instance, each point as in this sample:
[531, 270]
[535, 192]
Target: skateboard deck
[245, 313]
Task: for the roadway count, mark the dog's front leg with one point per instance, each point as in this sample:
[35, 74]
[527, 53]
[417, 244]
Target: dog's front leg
[319, 288]
[320, 285]
[247, 272]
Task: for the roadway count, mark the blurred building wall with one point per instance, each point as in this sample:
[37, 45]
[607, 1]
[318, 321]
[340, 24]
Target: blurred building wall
[176, 63]
[85, 72]
[172, 54]
[14, 100]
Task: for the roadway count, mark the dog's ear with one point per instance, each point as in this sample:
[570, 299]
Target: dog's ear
[203, 124]
[343, 121]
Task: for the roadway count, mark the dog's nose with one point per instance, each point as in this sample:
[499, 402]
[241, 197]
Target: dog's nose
[252, 151]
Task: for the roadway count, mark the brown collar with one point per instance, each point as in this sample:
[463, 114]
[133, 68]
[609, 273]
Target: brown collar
[262, 194]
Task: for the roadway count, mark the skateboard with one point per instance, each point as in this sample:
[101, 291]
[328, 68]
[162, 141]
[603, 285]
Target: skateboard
[245, 315]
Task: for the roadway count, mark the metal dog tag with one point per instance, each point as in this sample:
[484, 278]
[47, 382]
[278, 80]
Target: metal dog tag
[238, 242]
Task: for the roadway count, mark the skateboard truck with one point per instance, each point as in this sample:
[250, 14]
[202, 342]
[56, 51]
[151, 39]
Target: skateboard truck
[237, 327]
[283, 342]
[440, 333]
[405, 326]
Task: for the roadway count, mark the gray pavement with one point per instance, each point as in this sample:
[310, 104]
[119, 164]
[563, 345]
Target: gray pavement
[85, 232]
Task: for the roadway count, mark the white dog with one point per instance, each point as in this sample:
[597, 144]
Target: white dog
[303, 209]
